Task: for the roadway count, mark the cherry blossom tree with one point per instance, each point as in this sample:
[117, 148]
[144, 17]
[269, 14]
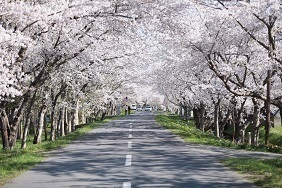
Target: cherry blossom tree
[230, 48]
[60, 33]
[254, 54]
[71, 59]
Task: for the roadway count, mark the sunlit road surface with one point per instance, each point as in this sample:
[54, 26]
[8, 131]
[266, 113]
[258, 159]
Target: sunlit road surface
[132, 152]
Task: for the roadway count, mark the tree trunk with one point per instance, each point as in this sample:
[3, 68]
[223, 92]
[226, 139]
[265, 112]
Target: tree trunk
[32, 124]
[20, 130]
[45, 129]
[26, 125]
[237, 115]
[54, 103]
[280, 109]
[185, 113]
[38, 133]
[35, 120]
[52, 118]
[111, 111]
[69, 121]
[267, 107]
[62, 122]
[234, 126]
[238, 131]
[181, 111]
[4, 125]
[196, 117]
[95, 115]
[16, 120]
[233, 122]
[72, 121]
[76, 118]
[66, 121]
[83, 119]
[103, 116]
[58, 129]
[216, 113]
[201, 117]
[53, 125]
[27, 120]
[224, 122]
[255, 122]
[67, 125]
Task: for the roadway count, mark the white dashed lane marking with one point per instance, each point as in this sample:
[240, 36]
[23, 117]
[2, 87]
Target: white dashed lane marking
[128, 160]
[126, 185]
[129, 144]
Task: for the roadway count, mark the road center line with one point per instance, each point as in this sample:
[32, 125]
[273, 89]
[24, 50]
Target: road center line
[129, 144]
[126, 185]
[128, 160]
[130, 130]
[130, 136]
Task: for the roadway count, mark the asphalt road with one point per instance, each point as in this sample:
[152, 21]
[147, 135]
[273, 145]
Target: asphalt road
[133, 152]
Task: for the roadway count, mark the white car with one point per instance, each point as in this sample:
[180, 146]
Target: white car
[139, 108]
[148, 108]
[133, 106]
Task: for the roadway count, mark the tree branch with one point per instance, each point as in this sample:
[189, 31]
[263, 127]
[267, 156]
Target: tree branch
[252, 36]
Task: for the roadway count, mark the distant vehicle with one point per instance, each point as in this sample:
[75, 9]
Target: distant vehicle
[139, 108]
[148, 108]
[133, 106]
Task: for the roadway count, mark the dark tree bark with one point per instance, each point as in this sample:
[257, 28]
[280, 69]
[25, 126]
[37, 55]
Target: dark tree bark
[280, 109]
[267, 107]
[199, 117]
[224, 122]
[255, 122]
[185, 112]
[54, 103]
[38, 133]
[4, 125]
[45, 129]
[62, 122]
[202, 116]
[20, 130]
[236, 120]
[216, 118]
[58, 129]
[103, 116]
[16, 120]
[196, 117]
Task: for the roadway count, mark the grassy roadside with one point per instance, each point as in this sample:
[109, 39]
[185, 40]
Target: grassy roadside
[17, 161]
[266, 173]
[189, 133]
[263, 172]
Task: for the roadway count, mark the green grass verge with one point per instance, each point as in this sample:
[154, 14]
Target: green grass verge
[188, 132]
[266, 173]
[15, 162]
[275, 137]
[263, 172]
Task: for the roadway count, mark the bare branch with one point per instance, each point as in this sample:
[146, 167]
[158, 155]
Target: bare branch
[252, 36]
